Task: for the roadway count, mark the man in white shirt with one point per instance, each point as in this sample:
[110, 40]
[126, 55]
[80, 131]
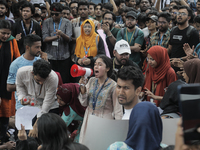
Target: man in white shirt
[130, 80]
[38, 82]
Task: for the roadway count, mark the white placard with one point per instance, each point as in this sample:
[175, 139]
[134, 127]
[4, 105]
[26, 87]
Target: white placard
[24, 116]
[102, 132]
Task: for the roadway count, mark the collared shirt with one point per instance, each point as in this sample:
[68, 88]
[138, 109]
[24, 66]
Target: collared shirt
[155, 39]
[60, 52]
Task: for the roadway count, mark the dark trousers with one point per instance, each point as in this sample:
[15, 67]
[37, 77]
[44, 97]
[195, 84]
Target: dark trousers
[3, 128]
[63, 67]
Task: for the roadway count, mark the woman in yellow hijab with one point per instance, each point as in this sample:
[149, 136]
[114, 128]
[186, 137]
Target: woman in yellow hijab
[88, 45]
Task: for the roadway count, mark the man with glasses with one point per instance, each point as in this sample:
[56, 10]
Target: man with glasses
[57, 32]
[107, 25]
[133, 35]
[174, 15]
[161, 37]
[73, 5]
[181, 34]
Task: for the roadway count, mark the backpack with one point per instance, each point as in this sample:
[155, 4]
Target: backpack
[188, 32]
[135, 34]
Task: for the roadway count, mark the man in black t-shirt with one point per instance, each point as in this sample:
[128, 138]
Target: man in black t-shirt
[182, 34]
[25, 26]
[122, 53]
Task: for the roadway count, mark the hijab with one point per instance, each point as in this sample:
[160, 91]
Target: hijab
[192, 69]
[158, 75]
[145, 127]
[69, 93]
[86, 41]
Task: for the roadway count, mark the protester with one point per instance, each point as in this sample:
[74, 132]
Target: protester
[88, 45]
[98, 12]
[174, 15]
[91, 10]
[129, 85]
[159, 74]
[73, 5]
[32, 45]
[170, 102]
[122, 53]
[8, 52]
[129, 34]
[109, 29]
[40, 83]
[4, 9]
[66, 13]
[99, 94]
[57, 32]
[26, 25]
[145, 129]
[70, 107]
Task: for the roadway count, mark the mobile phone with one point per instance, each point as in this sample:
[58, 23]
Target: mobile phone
[189, 96]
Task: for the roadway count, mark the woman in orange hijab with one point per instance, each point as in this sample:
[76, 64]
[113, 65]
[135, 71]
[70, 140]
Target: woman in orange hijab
[159, 75]
[88, 45]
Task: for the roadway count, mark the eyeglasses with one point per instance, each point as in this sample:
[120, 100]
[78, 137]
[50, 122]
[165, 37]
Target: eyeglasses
[161, 22]
[174, 13]
[181, 13]
[56, 14]
[87, 27]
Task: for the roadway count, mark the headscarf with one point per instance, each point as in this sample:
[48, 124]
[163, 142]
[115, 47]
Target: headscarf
[192, 69]
[87, 41]
[69, 93]
[170, 101]
[145, 127]
[158, 74]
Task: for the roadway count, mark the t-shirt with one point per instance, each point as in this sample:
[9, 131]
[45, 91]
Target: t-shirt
[114, 32]
[135, 56]
[15, 65]
[127, 114]
[178, 38]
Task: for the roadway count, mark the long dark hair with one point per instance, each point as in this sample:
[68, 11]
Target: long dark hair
[52, 132]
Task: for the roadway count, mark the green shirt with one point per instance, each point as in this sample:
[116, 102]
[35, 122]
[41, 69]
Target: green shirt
[135, 56]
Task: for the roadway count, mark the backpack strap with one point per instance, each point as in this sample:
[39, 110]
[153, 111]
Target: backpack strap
[136, 32]
[189, 30]
[122, 32]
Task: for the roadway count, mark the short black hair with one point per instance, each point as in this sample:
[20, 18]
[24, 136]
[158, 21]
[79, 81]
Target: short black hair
[127, 9]
[108, 6]
[152, 12]
[165, 15]
[98, 5]
[142, 18]
[72, 2]
[31, 39]
[3, 2]
[41, 68]
[109, 64]
[141, 0]
[56, 7]
[131, 73]
[109, 12]
[188, 10]
[165, 9]
[5, 24]
[197, 19]
[28, 4]
[83, 3]
[175, 7]
[118, 2]
[66, 8]
[91, 3]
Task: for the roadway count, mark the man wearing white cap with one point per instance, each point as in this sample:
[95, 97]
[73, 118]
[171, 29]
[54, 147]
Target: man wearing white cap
[121, 54]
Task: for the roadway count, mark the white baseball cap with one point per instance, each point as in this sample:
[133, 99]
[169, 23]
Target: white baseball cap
[122, 46]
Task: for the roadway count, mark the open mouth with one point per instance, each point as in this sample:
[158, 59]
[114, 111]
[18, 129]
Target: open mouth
[96, 71]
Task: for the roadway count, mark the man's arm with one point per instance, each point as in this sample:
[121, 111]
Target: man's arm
[169, 49]
[135, 48]
[11, 87]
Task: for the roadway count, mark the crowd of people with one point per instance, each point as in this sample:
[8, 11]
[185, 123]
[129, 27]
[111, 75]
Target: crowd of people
[139, 50]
